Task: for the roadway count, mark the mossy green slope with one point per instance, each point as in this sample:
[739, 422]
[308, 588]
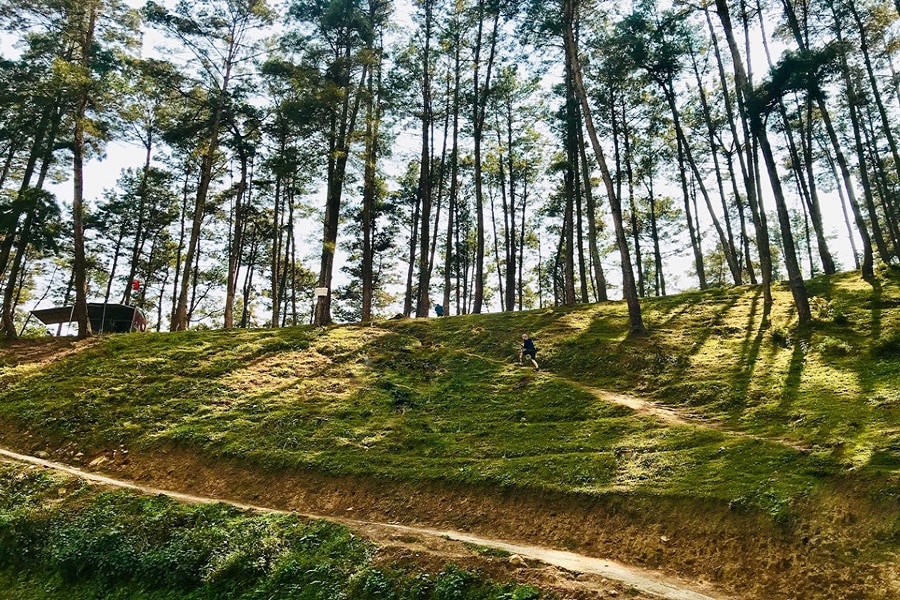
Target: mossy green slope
[773, 414]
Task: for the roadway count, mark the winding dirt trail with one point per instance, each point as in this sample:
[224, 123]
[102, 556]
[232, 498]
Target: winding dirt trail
[641, 581]
[642, 406]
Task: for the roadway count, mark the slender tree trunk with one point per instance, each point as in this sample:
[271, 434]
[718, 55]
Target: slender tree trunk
[746, 176]
[597, 266]
[726, 239]
[636, 226]
[815, 209]
[479, 105]
[373, 121]
[883, 184]
[337, 167]
[571, 190]
[742, 85]
[80, 262]
[182, 232]
[37, 150]
[688, 214]
[411, 269]
[139, 226]
[115, 263]
[853, 102]
[181, 321]
[660, 282]
[237, 238]
[757, 128]
[501, 292]
[509, 213]
[843, 198]
[425, 191]
[628, 286]
[247, 286]
[454, 181]
[805, 179]
[887, 130]
[868, 259]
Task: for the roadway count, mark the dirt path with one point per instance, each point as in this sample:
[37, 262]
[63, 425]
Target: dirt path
[643, 406]
[639, 580]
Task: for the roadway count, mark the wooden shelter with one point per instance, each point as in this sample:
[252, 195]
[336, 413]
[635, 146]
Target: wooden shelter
[104, 317]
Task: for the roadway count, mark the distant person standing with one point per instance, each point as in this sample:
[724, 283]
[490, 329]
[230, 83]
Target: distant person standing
[529, 350]
[439, 310]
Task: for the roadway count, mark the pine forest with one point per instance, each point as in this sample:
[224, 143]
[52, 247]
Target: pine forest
[320, 161]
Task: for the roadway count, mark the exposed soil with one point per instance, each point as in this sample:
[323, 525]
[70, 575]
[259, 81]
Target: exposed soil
[690, 545]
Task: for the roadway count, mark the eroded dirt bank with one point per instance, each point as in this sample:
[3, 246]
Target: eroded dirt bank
[716, 549]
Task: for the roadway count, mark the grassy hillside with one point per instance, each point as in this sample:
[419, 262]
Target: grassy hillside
[770, 421]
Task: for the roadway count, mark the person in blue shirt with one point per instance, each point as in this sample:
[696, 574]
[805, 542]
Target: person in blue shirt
[529, 350]
[439, 310]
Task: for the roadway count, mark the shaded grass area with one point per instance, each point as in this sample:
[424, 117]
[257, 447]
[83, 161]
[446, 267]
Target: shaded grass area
[60, 538]
[443, 399]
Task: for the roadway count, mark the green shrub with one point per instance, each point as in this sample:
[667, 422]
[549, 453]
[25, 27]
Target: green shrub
[781, 337]
[830, 346]
[113, 542]
[887, 347]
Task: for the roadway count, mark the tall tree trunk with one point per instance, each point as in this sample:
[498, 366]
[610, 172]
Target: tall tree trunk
[479, 106]
[853, 102]
[868, 259]
[182, 233]
[659, 280]
[882, 181]
[726, 239]
[571, 190]
[454, 181]
[597, 267]
[688, 214]
[277, 230]
[632, 199]
[117, 250]
[337, 167]
[509, 213]
[37, 150]
[843, 198]
[181, 322]
[746, 174]
[887, 131]
[742, 87]
[757, 128]
[237, 237]
[425, 191]
[628, 286]
[805, 178]
[815, 208]
[373, 121]
[139, 226]
[80, 263]
[411, 268]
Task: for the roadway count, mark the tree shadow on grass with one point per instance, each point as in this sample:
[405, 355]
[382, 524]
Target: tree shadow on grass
[750, 348]
[800, 346]
[710, 326]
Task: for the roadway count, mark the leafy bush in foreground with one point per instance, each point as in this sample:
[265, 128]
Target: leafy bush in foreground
[70, 535]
